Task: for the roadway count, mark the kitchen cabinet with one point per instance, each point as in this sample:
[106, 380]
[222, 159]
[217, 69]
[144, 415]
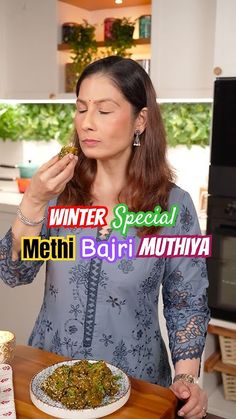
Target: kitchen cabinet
[31, 67]
[182, 48]
[192, 42]
[225, 35]
[19, 306]
[3, 50]
[28, 61]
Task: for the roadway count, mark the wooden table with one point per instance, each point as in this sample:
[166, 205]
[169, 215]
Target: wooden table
[147, 401]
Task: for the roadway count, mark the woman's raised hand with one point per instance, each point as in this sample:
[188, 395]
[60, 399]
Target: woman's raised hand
[51, 178]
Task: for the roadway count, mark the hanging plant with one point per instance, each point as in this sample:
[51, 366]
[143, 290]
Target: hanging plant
[121, 37]
[83, 47]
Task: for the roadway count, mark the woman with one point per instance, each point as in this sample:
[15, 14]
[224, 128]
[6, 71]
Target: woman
[95, 309]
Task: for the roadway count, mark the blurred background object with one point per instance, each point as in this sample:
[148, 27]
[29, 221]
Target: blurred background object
[145, 26]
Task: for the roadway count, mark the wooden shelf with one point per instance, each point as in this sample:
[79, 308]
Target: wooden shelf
[221, 331]
[217, 403]
[214, 363]
[100, 44]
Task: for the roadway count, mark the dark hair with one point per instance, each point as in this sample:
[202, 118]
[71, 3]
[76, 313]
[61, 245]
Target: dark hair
[149, 177]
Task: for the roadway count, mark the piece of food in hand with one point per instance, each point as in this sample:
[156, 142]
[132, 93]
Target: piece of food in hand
[67, 149]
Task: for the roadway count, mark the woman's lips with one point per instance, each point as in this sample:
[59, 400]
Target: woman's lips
[90, 142]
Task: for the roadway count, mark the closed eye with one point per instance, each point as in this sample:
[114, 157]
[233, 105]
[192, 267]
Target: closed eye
[85, 110]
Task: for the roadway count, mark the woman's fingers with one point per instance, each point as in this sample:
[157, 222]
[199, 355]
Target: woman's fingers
[49, 163]
[194, 406]
[56, 184]
[197, 413]
[59, 166]
[194, 397]
[191, 407]
[66, 174]
[181, 390]
[59, 171]
[52, 177]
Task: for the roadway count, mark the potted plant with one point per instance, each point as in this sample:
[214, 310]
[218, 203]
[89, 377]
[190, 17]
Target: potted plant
[121, 37]
[83, 46]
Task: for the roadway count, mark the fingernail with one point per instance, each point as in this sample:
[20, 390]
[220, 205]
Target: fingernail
[180, 413]
[185, 394]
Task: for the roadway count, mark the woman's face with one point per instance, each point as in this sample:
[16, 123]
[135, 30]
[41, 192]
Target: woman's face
[104, 119]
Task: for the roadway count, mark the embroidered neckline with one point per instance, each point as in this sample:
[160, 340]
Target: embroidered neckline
[103, 236]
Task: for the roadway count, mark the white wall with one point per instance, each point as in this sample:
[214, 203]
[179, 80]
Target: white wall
[30, 44]
[225, 56]
[192, 166]
[183, 51]
[3, 67]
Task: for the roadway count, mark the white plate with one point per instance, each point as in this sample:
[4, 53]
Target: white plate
[110, 404]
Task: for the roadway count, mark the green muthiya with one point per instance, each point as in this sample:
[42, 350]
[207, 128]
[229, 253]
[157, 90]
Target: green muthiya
[185, 123]
[66, 149]
[81, 385]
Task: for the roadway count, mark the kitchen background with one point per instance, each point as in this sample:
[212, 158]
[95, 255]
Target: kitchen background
[29, 132]
[192, 42]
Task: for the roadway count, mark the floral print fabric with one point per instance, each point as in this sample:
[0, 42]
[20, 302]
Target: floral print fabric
[99, 310]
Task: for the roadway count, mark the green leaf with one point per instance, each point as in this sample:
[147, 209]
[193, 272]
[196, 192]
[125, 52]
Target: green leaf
[187, 123]
[37, 122]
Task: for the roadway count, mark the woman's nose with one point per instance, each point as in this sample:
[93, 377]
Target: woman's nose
[88, 121]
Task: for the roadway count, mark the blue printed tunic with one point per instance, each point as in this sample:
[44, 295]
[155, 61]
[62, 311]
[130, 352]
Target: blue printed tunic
[99, 310]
